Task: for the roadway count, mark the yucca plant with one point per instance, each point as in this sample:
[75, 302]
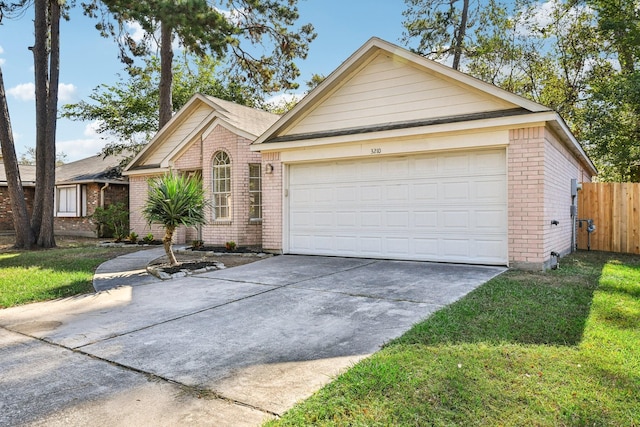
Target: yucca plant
[175, 200]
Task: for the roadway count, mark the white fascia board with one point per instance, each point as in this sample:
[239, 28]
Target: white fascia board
[150, 171]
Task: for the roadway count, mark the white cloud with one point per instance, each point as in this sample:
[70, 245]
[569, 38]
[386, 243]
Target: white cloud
[66, 91]
[1, 50]
[23, 92]
[135, 31]
[77, 149]
[27, 91]
[284, 98]
[91, 129]
[541, 15]
[2, 61]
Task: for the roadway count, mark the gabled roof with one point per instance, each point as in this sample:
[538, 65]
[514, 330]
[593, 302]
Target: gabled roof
[191, 121]
[303, 125]
[362, 57]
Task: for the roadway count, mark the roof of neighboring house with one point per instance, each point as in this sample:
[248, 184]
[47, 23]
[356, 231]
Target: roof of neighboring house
[27, 175]
[507, 108]
[92, 169]
[199, 115]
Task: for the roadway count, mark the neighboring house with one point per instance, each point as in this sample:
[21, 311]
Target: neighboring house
[208, 137]
[396, 156]
[81, 186]
[84, 185]
[28, 177]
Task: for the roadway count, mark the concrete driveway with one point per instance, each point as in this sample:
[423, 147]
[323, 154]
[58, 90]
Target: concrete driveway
[229, 347]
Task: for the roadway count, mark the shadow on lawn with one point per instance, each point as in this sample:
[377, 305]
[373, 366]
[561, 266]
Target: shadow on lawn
[549, 308]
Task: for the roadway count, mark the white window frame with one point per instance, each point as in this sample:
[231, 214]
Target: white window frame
[74, 202]
[221, 187]
[255, 194]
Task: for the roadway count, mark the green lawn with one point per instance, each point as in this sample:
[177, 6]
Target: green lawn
[29, 276]
[560, 348]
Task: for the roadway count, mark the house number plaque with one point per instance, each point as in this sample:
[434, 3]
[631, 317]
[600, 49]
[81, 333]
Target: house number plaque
[376, 150]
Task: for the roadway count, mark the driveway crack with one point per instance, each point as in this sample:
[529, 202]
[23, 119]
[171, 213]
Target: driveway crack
[191, 390]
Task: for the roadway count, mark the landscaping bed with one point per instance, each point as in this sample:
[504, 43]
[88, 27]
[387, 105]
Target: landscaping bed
[200, 261]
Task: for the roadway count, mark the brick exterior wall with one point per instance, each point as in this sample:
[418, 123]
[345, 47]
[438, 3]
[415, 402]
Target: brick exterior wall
[560, 167]
[272, 230]
[138, 188]
[525, 170]
[540, 170]
[6, 214]
[83, 226]
[67, 226]
[239, 228]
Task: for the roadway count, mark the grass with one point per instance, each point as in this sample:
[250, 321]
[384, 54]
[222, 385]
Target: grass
[560, 348]
[30, 276]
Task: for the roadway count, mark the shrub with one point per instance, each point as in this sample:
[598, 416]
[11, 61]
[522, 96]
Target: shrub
[231, 246]
[112, 221]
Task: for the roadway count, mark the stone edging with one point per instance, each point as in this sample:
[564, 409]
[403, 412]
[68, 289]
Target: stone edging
[157, 272]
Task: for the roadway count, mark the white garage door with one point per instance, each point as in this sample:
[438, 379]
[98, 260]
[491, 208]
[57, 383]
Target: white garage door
[446, 207]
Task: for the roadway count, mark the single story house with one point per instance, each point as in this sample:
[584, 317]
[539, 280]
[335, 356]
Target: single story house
[396, 156]
[81, 186]
[28, 177]
[208, 137]
[392, 156]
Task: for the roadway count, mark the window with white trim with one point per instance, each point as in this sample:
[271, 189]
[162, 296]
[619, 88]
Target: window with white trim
[221, 186]
[255, 191]
[67, 201]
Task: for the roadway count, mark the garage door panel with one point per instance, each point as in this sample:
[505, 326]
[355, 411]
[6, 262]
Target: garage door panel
[435, 207]
[425, 192]
[456, 220]
[455, 191]
[398, 219]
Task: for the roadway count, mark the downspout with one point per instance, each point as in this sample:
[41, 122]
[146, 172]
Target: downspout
[102, 194]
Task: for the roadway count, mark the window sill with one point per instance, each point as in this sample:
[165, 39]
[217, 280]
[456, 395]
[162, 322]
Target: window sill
[255, 221]
[222, 222]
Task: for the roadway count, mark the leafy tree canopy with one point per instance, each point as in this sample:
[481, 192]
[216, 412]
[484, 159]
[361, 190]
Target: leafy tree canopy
[127, 112]
[255, 38]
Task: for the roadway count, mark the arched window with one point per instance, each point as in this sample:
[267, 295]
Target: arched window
[221, 186]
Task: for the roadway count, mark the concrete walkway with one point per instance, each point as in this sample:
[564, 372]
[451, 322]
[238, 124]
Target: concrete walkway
[126, 270]
[230, 347]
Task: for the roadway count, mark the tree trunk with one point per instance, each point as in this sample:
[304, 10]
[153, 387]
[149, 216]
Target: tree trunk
[41, 29]
[166, 75]
[46, 237]
[167, 242]
[459, 35]
[24, 234]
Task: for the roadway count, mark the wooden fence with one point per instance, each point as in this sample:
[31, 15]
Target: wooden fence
[615, 210]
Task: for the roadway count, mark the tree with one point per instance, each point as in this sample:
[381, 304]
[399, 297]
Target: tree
[128, 110]
[203, 27]
[441, 26]
[46, 53]
[175, 200]
[24, 235]
[611, 119]
[29, 157]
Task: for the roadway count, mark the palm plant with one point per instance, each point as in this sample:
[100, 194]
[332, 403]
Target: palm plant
[175, 200]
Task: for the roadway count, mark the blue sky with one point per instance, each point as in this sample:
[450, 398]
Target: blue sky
[87, 60]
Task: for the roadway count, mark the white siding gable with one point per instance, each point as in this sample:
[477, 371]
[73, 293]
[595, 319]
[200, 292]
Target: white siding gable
[176, 137]
[388, 90]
